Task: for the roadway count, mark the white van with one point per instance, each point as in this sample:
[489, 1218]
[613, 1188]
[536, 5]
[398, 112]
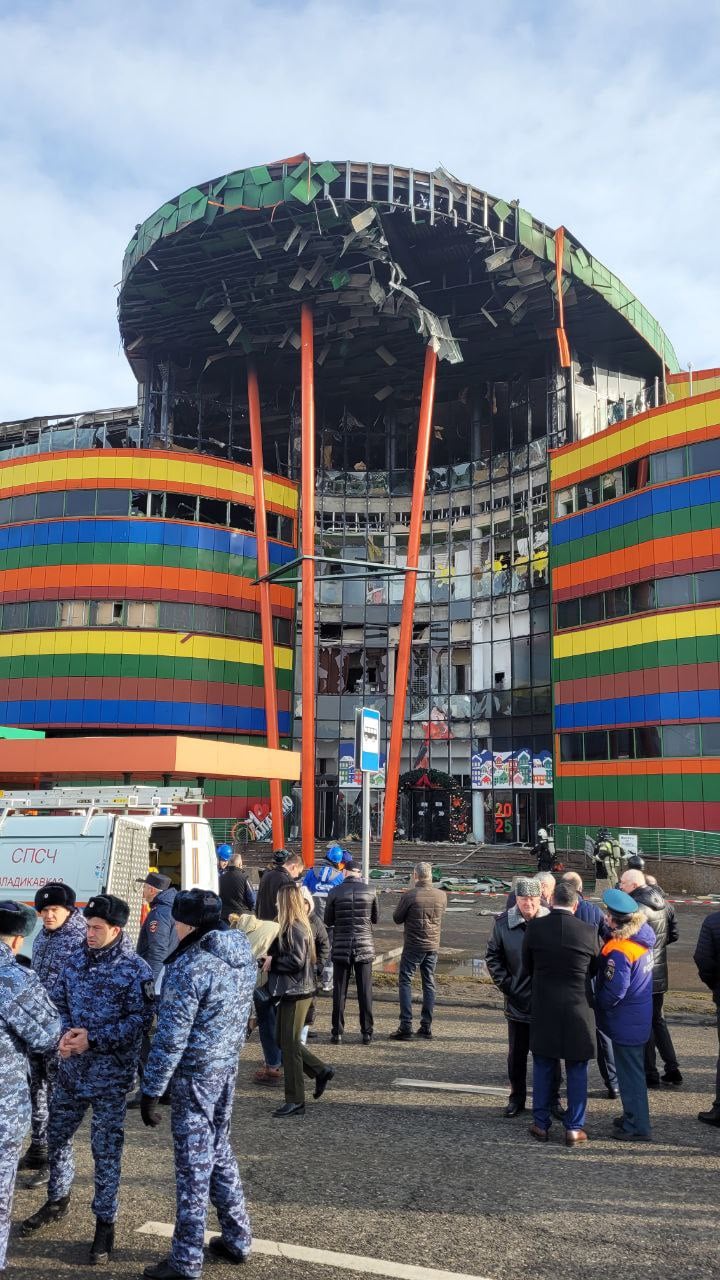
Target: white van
[103, 840]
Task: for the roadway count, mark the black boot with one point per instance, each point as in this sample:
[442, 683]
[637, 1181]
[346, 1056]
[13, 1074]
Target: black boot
[51, 1211]
[35, 1157]
[104, 1242]
[221, 1252]
[712, 1116]
[40, 1178]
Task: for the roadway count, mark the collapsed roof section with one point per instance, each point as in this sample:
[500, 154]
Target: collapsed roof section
[392, 259]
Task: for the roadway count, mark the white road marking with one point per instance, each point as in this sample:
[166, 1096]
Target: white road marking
[492, 1089]
[326, 1258]
[449, 909]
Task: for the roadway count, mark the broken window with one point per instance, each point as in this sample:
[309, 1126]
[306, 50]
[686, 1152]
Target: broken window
[106, 613]
[74, 613]
[213, 511]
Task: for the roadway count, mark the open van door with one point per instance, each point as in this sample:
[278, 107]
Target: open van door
[185, 851]
[129, 863]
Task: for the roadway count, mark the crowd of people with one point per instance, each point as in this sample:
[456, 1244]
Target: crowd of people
[97, 1024]
[581, 982]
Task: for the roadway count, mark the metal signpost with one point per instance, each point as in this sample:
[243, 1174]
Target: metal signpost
[367, 760]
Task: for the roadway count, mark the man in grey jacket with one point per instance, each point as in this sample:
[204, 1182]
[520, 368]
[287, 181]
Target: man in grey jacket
[504, 962]
[420, 910]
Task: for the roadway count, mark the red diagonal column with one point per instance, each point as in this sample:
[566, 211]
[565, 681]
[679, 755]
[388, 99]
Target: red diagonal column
[307, 653]
[266, 618]
[402, 668]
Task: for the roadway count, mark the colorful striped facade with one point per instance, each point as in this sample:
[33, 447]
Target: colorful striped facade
[136, 622]
[635, 554]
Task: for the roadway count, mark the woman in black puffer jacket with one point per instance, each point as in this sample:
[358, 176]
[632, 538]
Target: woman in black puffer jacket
[291, 983]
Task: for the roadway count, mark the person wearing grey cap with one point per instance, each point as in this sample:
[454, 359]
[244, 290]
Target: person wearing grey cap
[157, 935]
[504, 961]
[157, 939]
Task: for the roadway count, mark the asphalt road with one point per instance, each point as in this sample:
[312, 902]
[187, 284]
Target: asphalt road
[435, 1179]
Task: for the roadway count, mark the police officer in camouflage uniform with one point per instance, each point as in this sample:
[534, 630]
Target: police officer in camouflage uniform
[106, 1000]
[201, 1023]
[29, 1023]
[62, 935]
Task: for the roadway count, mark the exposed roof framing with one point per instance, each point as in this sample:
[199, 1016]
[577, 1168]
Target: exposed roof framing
[386, 254]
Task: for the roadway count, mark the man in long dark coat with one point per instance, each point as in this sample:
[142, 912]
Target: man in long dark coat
[560, 954]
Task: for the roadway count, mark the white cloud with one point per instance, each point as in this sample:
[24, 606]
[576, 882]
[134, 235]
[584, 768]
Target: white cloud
[602, 116]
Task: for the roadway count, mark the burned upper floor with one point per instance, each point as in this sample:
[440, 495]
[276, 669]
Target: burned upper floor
[392, 259]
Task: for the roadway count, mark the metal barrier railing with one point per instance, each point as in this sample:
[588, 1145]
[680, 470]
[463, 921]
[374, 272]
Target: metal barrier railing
[670, 843]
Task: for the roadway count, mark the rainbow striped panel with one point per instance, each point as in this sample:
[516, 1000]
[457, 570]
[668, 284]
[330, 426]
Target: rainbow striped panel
[136, 559]
[655, 431]
[161, 471]
[102, 678]
[647, 669]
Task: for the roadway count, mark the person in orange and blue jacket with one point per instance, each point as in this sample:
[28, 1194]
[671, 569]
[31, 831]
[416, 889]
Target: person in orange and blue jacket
[623, 1007]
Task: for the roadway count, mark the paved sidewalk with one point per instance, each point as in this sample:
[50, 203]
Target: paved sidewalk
[430, 1179]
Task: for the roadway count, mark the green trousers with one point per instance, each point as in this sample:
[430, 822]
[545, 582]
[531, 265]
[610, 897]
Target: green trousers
[297, 1058]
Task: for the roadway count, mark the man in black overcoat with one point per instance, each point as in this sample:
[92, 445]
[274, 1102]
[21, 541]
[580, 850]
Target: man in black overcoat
[560, 954]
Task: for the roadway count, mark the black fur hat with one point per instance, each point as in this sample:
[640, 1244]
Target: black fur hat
[198, 907]
[16, 920]
[105, 906]
[55, 894]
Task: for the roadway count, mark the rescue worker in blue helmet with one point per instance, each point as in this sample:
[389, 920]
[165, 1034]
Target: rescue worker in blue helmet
[106, 1001]
[201, 1024]
[223, 853]
[29, 1024]
[62, 935]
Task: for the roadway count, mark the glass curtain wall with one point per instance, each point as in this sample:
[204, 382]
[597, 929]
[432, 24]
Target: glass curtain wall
[480, 667]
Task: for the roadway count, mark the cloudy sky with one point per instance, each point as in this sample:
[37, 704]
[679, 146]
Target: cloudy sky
[601, 115]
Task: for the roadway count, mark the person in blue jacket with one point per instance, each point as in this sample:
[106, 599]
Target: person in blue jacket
[623, 1007]
[106, 999]
[320, 880]
[29, 1024]
[202, 1020]
[62, 935]
[157, 936]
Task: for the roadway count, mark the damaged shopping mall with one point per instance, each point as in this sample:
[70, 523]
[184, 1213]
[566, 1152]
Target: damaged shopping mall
[404, 350]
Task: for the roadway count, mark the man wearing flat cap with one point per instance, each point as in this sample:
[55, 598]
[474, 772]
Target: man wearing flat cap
[156, 940]
[624, 1007]
[202, 1019]
[106, 999]
[29, 1024]
[62, 935]
[504, 961]
[157, 936]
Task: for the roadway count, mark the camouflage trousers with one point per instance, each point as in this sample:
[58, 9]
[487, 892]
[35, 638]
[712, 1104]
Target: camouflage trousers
[107, 1135]
[13, 1127]
[40, 1084]
[205, 1168]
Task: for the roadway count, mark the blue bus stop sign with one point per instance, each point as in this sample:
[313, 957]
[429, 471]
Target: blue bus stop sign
[367, 739]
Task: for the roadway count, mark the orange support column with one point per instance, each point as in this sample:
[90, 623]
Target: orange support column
[266, 618]
[307, 656]
[402, 669]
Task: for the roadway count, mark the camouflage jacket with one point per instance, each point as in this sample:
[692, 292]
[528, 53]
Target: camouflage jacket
[204, 1007]
[53, 948]
[29, 1023]
[109, 992]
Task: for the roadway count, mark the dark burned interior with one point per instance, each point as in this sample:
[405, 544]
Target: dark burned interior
[391, 260]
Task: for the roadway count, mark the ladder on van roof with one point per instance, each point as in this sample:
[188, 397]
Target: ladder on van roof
[102, 799]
